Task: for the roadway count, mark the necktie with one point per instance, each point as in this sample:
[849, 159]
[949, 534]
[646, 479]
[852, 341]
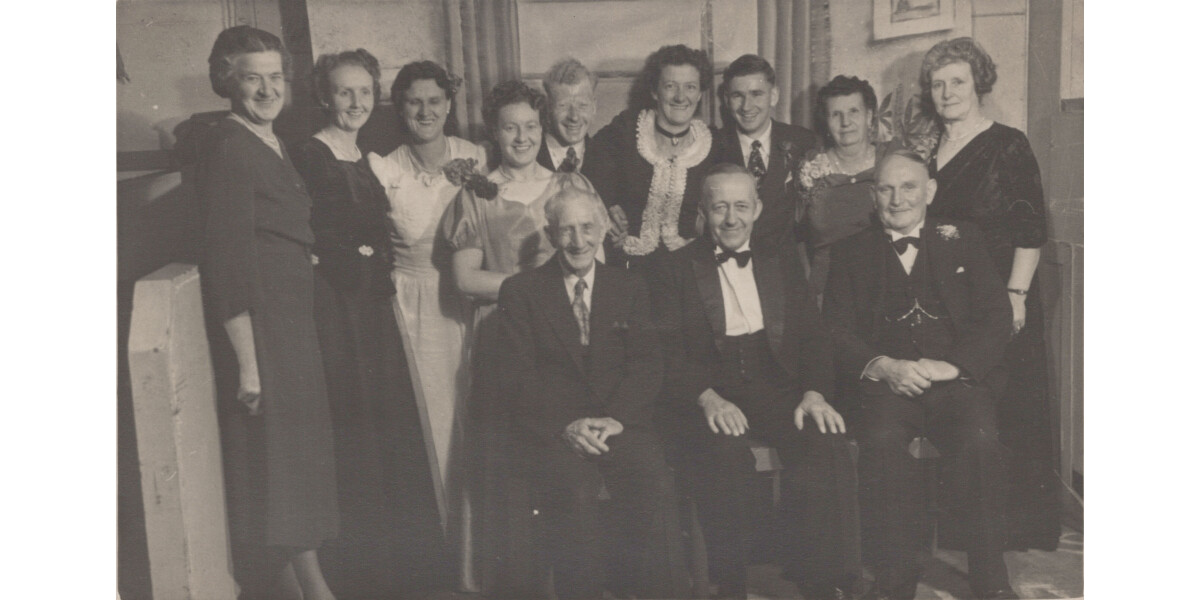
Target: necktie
[579, 306]
[756, 164]
[903, 243]
[742, 257]
[571, 162]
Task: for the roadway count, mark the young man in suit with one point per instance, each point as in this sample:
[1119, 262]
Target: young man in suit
[584, 368]
[919, 319]
[747, 356]
[570, 107]
[765, 146]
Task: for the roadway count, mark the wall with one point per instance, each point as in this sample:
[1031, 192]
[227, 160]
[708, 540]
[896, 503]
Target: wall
[999, 25]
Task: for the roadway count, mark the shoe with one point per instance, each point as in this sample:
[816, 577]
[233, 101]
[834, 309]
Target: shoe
[1005, 592]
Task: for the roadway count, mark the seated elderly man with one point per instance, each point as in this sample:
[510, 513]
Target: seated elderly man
[919, 319]
[747, 356]
[585, 368]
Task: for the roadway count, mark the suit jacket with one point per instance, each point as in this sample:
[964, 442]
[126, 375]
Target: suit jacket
[543, 156]
[777, 223]
[962, 275]
[549, 380]
[690, 312]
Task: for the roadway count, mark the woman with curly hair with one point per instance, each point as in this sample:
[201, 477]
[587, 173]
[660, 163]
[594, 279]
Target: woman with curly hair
[650, 160]
[420, 182]
[987, 173]
[834, 183]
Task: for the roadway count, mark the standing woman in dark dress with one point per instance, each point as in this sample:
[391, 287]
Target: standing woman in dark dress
[987, 173]
[364, 359]
[258, 279]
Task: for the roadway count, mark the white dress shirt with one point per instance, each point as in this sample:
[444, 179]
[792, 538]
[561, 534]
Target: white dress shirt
[739, 294]
[747, 141]
[558, 152]
[569, 280]
[909, 258]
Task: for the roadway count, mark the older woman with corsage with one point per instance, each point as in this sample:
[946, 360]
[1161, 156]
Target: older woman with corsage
[650, 160]
[834, 183]
[258, 279]
[987, 174]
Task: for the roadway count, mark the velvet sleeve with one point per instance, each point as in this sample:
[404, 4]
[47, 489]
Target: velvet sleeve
[1020, 181]
[231, 261]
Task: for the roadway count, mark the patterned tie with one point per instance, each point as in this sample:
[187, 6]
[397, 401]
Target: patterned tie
[756, 164]
[571, 162]
[581, 311]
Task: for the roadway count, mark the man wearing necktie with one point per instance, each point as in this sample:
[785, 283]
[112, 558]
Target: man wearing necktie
[570, 107]
[583, 368]
[920, 319]
[765, 146]
[747, 357]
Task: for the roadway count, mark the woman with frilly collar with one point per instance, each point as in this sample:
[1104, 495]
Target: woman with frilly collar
[650, 160]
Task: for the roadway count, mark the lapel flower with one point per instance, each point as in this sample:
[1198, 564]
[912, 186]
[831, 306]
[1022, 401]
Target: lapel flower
[948, 232]
[462, 172]
[366, 250]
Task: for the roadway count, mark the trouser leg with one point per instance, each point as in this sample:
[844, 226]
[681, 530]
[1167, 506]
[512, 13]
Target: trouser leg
[569, 486]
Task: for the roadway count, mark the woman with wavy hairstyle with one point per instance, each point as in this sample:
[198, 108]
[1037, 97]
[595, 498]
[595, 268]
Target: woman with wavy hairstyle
[987, 173]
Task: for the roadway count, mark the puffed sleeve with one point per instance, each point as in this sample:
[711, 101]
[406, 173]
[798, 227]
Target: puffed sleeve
[227, 192]
[460, 225]
[1021, 183]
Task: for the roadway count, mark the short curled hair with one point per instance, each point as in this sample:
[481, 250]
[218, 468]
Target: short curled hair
[234, 42]
[963, 49]
[508, 93]
[567, 71]
[838, 87]
[328, 63]
[647, 80]
[423, 69]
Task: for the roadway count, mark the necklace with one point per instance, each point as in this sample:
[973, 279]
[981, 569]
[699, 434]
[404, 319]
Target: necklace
[674, 137]
[867, 157]
[972, 130]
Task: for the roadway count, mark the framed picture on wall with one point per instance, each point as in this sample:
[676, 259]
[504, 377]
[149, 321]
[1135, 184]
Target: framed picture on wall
[895, 18]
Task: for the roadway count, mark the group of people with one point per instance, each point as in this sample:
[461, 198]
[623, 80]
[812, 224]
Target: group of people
[617, 316]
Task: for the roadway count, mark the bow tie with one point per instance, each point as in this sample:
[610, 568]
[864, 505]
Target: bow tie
[901, 245]
[742, 257]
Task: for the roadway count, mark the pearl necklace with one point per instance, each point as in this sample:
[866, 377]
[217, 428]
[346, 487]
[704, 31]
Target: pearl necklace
[868, 157]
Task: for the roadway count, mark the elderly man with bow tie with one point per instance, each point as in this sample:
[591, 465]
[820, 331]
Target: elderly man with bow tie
[920, 319]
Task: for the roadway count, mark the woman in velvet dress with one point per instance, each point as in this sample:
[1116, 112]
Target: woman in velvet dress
[364, 360]
[987, 174]
[649, 162]
[258, 279]
[497, 228]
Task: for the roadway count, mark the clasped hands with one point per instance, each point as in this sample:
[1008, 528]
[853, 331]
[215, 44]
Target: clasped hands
[587, 435]
[725, 417]
[911, 377]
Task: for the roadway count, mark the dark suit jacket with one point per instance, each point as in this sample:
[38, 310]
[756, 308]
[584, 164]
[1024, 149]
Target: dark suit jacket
[963, 276]
[548, 380]
[777, 224]
[543, 156]
[690, 313]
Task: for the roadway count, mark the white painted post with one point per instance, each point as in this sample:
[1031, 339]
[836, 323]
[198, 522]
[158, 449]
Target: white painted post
[179, 445]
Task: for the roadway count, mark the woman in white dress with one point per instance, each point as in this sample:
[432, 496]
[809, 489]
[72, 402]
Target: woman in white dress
[431, 315]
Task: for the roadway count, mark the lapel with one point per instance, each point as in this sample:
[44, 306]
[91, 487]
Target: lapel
[778, 168]
[941, 264]
[768, 278]
[604, 301]
[876, 255]
[559, 312]
[709, 283]
[733, 146]
[543, 156]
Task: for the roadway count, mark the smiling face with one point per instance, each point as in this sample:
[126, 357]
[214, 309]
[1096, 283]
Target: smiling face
[519, 134]
[903, 191]
[577, 232]
[259, 86]
[425, 110]
[677, 94]
[572, 106]
[751, 98]
[352, 97]
[953, 90]
[730, 207]
[849, 120]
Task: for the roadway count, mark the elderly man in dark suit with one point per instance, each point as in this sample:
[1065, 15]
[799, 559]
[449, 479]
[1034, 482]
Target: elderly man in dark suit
[747, 356]
[570, 107]
[584, 369]
[765, 146]
[920, 319]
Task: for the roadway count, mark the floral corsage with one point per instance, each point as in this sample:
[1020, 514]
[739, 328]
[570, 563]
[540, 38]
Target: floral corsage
[462, 172]
[948, 232]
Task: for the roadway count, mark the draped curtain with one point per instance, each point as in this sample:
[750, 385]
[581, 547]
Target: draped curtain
[484, 50]
[794, 37]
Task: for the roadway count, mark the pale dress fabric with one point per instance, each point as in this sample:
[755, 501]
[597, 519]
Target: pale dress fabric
[433, 321]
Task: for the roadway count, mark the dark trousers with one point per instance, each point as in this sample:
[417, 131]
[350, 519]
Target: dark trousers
[960, 421]
[648, 557]
[818, 504]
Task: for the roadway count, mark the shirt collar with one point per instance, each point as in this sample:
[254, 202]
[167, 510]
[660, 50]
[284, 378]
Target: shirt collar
[764, 137]
[571, 278]
[717, 249]
[895, 235]
[556, 148]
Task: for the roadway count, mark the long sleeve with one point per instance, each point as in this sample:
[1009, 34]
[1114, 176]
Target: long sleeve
[816, 362]
[228, 195]
[850, 352]
[1020, 182]
[684, 378]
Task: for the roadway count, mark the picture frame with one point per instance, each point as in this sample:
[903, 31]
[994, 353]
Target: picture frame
[897, 18]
